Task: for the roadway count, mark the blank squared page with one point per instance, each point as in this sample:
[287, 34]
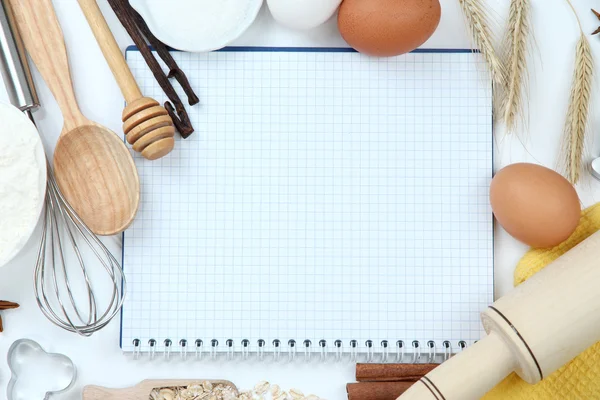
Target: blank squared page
[325, 195]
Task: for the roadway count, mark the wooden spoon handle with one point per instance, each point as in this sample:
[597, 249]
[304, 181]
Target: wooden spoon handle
[44, 41]
[111, 50]
[100, 393]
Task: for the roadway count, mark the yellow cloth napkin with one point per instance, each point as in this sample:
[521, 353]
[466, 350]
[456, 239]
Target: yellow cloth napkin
[580, 378]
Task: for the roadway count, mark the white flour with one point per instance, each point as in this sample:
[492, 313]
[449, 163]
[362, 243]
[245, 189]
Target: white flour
[194, 24]
[19, 180]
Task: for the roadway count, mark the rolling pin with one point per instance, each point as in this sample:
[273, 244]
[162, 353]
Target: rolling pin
[534, 330]
[146, 124]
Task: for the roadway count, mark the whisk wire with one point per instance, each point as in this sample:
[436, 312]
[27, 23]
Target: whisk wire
[54, 279]
[91, 299]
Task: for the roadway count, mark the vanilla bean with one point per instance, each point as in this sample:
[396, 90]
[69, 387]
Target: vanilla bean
[178, 113]
[165, 54]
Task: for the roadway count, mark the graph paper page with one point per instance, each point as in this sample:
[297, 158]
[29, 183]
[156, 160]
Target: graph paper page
[324, 196]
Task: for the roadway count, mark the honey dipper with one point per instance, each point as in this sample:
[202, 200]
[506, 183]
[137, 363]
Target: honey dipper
[147, 125]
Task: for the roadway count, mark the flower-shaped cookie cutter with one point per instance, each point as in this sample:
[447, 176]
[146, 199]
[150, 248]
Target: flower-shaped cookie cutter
[36, 373]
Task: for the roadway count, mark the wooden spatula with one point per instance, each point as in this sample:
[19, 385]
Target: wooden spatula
[142, 391]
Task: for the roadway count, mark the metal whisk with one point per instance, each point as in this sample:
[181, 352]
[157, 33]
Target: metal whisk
[56, 270]
[52, 278]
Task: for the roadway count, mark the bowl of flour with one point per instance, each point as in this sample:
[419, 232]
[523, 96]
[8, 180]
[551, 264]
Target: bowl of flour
[22, 181]
[198, 25]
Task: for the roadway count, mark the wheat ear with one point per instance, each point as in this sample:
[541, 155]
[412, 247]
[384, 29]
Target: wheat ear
[579, 104]
[516, 40]
[477, 21]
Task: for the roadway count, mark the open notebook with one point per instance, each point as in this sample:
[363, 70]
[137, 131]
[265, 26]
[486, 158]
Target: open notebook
[327, 201]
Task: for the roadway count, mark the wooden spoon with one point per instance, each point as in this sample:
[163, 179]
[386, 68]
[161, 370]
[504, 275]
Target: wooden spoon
[147, 124]
[92, 165]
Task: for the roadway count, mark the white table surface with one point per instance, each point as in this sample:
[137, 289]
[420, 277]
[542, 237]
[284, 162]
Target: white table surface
[99, 359]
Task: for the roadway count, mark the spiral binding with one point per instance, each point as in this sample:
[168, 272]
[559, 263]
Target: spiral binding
[386, 352]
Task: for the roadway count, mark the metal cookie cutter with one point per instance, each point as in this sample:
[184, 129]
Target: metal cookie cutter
[36, 374]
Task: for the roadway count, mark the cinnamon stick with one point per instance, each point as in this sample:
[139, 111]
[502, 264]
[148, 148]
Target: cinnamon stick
[392, 372]
[377, 390]
[8, 305]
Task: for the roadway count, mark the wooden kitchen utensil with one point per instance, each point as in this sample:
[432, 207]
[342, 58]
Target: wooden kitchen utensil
[142, 391]
[534, 330]
[93, 167]
[148, 126]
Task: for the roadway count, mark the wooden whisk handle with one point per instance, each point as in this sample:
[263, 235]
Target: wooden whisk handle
[111, 50]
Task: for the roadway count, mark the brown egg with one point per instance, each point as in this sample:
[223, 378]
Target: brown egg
[535, 204]
[388, 28]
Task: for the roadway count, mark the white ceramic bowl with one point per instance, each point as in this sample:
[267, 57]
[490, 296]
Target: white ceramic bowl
[198, 25]
[12, 123]
[596, 168]
[303, 14]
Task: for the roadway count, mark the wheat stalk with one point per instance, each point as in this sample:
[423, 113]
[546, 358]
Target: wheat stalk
[579, 104]
[516, 40]
[577, 114]
[477, 20]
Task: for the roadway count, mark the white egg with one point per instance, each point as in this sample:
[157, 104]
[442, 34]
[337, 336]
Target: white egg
[303, 14]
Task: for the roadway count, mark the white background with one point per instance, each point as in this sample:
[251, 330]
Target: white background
[99, 359]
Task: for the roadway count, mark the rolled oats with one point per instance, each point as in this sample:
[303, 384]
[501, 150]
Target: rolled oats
[167, 394]
[207, 391]
[261, 388]
[296, 394]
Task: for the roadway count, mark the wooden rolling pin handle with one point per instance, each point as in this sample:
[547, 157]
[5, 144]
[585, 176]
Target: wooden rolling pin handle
[110, 49]
[44, 41]
[467, 376]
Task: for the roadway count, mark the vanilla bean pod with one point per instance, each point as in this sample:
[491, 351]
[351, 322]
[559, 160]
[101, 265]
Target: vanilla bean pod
[175, 107]
[165, 54]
